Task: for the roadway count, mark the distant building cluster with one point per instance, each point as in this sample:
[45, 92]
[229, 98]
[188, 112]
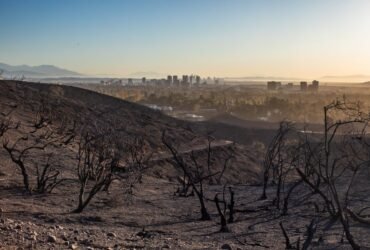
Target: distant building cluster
[310, 87]
[272, 85]
[304, 86]
[171, 80]
[185, 81]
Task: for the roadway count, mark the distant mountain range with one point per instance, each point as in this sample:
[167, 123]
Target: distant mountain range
[40, 71]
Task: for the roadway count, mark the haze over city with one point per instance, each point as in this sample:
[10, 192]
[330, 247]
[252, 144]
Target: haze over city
[239, 38]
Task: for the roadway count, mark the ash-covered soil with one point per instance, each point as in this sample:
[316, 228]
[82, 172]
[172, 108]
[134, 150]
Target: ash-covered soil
[153, 216]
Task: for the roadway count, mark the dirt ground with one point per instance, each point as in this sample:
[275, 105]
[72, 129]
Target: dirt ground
[154, 218]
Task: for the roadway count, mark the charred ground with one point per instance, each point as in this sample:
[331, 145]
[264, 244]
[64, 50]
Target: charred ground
[149, 209]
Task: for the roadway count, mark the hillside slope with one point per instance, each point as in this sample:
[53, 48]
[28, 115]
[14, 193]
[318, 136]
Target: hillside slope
[127, 119]
[148, 212]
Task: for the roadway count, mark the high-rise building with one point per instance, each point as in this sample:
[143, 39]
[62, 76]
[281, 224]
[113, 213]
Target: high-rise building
[185, 80]
[197, 80]
[272, 85]
[175, 80]
[315, 85]
[143, 80]
[169, 80]
[303, 86]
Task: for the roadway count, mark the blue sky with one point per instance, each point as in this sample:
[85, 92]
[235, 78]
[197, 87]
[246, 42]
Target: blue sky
[295, 38]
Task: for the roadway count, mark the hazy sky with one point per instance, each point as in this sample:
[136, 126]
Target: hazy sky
[294, 38]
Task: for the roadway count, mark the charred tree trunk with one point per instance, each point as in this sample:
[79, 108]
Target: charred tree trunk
[26, 182]
[265, 180]
[224, 227]
[278, 191]
[203, 209]
[286, 200]
[231, 206]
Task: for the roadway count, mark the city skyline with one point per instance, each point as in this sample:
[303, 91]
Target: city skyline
[297, 39]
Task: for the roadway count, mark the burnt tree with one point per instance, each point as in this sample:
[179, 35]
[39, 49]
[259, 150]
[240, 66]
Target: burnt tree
[96, 158]
[195, 171]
